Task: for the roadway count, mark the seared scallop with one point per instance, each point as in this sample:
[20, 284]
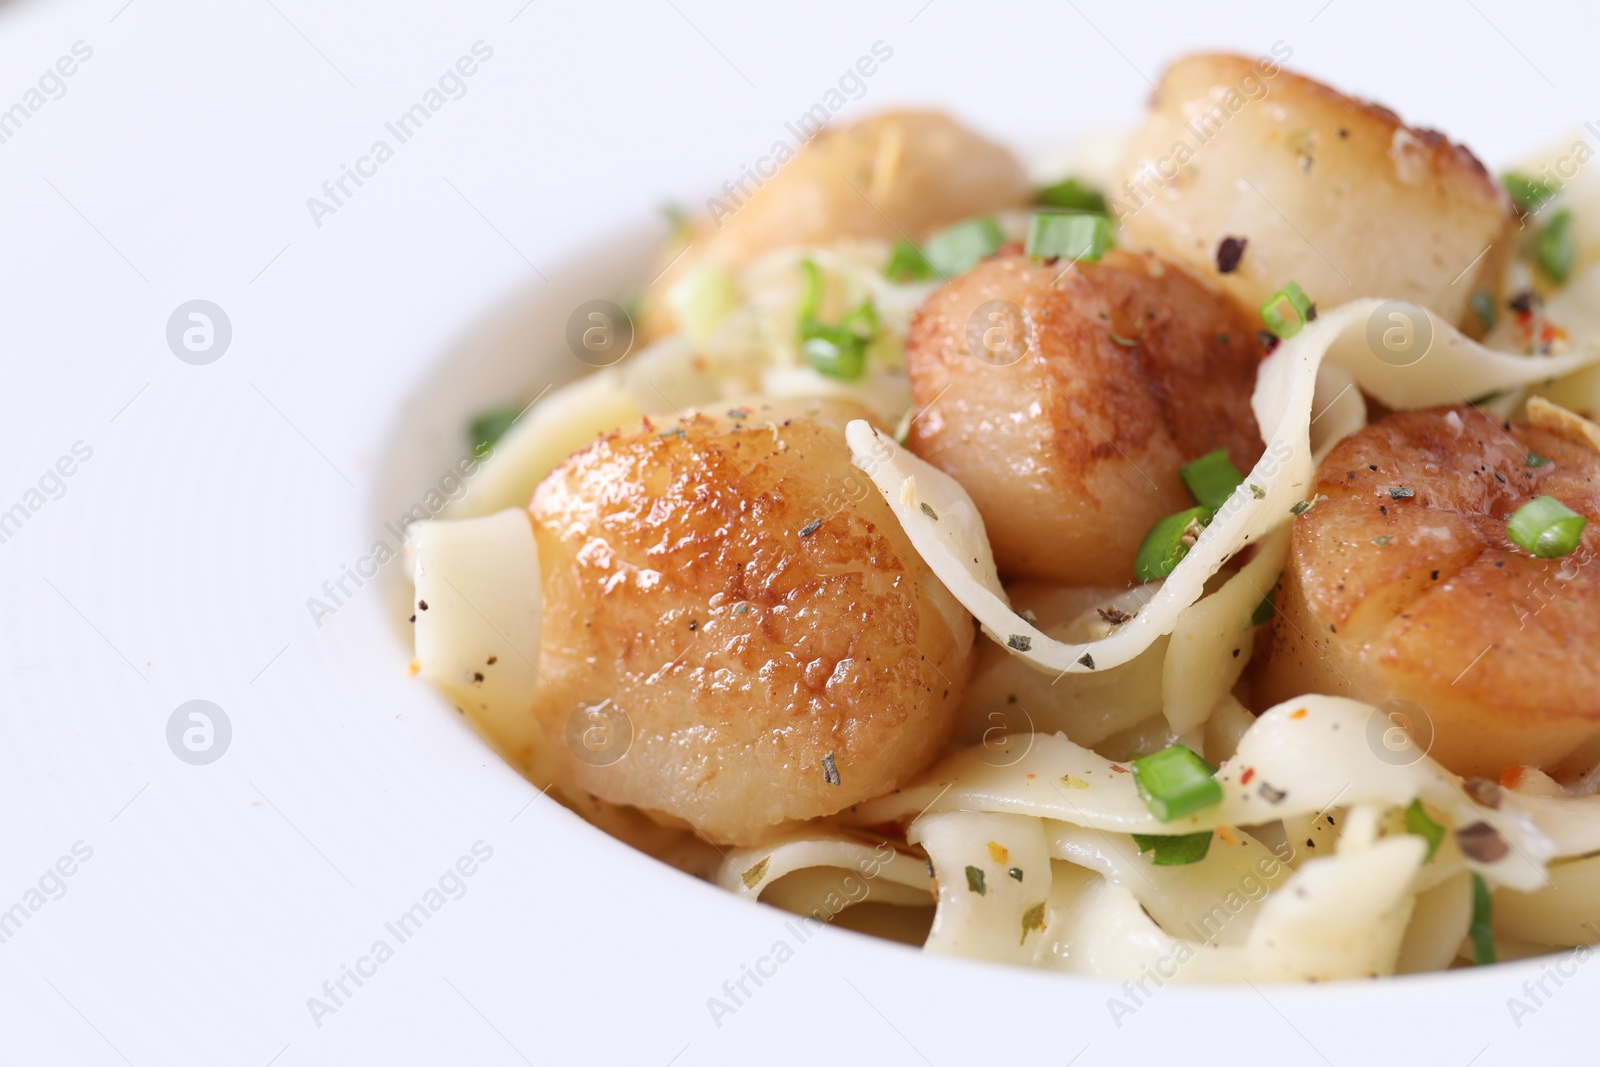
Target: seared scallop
[1403, 585]
[1257, 177]
[1065, 399]
[899, 173]
[738, 634]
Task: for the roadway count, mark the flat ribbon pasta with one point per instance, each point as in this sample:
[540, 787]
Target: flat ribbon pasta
[944, 526]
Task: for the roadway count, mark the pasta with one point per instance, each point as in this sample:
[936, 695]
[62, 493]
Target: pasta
[746, 532]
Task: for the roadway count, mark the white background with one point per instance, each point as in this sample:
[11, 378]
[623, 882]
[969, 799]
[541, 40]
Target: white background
[178, 562]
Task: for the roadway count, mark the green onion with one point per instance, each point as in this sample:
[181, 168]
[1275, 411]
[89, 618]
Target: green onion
[1556, 249]
[907, 263]
[1168, 542]
[1536, 460]
[1056, 235]
[1419, 822]
[1212, 478]
[961, 247]
[1287, 311]
[1483, 305]
[839, 350]
[1527, 193]
[1481, 931]
[1174, 850]
[1072, 195]
[487, 429]
[1264, 609]
[975, 881]
[1546, 527]
[1175, 782]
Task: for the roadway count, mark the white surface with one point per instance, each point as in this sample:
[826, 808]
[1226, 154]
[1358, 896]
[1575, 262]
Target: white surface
[178, 562]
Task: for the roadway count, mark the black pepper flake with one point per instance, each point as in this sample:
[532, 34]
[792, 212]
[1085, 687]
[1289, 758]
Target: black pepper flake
[1311, 313]
[423, 604]
[1372, 466]
[1268, 339]
[1015, 872]
[1020, 642]
[1343, 133]
[1484, 791]
[1229, 251]
[810, 528]
[1524, 302]
[1482, 842]
[413, 618]
[1114, 616]
[477, 676]
[1087, 661]
[1271, 795]
[928, 511]
[1310, 843]
[1436, 576]
[694, 624]
[830, 771]
[492, 660]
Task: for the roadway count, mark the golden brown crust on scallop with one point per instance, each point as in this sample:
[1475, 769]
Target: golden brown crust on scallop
[1071, 453]
[1425, 598]
[1328, 191]
[746, 597]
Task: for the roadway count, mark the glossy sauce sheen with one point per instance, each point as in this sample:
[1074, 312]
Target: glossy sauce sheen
[1072, 452]
[746, 597]
[1493, 645]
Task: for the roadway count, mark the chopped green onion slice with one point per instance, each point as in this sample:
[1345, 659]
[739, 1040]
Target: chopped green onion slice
[1483, 305]
[1556, 248]
[1527, 193]
[810, 293]
[907, 263]
[1419, 822]
[1536, 460]
[1212, 478]
[1287, 311]
[1058, 235]
[839, 350]
[1168, 542]
[1481, 931]
[1174, 850]
[961, 247]
[1546, 527]
[1264, 609]
[487, 429]
[1175, 782]
[1072, 195]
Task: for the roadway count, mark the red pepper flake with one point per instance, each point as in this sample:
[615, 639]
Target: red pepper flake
[1511, 778]
[1119, 770]
[1031, 777]
[1249, 773]
[1298, 713]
